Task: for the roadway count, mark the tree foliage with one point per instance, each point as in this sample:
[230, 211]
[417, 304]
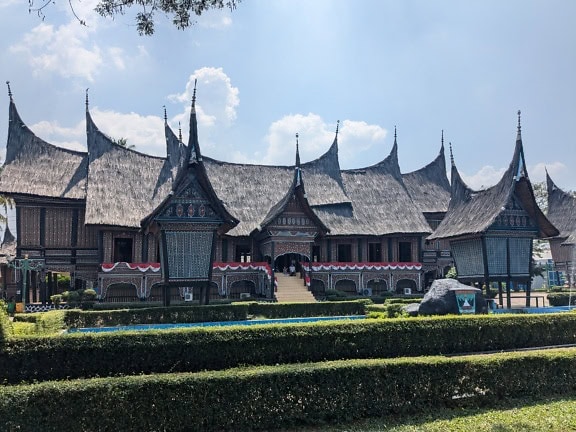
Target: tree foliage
[179, 11]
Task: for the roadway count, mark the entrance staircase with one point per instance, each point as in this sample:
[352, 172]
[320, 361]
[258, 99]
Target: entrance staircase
[291, 289]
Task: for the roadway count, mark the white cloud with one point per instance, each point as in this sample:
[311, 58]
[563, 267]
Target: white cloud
[488, 175]
[68, 49]
[215, 19]
[537, 172]
[145, 133]
[315, 137]
[6, 3]
[61, 50]
[217, 99]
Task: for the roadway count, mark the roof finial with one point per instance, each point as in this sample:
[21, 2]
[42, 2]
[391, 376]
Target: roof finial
[194, 96]
[297, 152]
[337, 127]
[9, 91]
[87, 99]
[519, 135]
[179, 132]
[442, 140]
[395, 135]
[165, 115]
[451, 155]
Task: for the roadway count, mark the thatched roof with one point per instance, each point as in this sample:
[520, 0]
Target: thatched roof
[380, 204]
[36, 168]
[123, 184]
[561, 208]
[191, 168]
[473, 212]
[297, 190]
[8, 246]
[429, 187]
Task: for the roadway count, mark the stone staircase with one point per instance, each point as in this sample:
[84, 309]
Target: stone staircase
[291, 289]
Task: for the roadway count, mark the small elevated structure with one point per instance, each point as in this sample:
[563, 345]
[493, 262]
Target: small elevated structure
[491, 230]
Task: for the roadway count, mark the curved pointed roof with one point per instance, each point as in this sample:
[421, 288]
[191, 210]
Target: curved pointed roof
[123, 185]
[324, 173]
[473, 212]
[561, 208]
[36, 168]
[380, 204]
[8, 246]
[296, 189]
[429, 187]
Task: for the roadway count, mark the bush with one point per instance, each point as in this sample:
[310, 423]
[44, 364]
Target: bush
[6, 330]
[561, 299]
[128, 353]
[291, 310]
[285, 396]
[156, 315]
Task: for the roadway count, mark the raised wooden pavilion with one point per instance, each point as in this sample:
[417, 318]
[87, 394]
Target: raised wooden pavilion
[562, 213]
[363, 229]
[491, 230]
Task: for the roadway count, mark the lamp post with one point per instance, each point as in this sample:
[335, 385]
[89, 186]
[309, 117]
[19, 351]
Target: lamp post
[25, 265]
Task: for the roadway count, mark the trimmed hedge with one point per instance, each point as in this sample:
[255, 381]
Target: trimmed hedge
[286, 396]
[291, 310]
[128, 353]
[561, 299]
[77, 318]
[6, 330]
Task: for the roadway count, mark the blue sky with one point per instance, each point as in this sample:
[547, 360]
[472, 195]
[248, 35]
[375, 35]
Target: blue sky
[271, 69]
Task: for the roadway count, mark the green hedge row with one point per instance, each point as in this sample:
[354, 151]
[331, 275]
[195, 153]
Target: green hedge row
[128, 353]
[285, 396]
[291, 310]
[561, 299]
[6, 330]
[77, 318]
[404, 300]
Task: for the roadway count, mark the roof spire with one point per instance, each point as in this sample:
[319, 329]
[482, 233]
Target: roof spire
[298, 152]
[442, 140]
[179, 132]
[165, 115]
[337, 127]
[87, 99]
[9, 91]
[395, 135]
[451, 155]
[519, 136]
[194, 97]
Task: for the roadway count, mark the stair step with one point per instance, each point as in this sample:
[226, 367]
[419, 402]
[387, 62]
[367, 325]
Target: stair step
[291, 289]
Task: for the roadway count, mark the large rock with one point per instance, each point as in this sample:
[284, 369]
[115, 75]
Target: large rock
[441, 298]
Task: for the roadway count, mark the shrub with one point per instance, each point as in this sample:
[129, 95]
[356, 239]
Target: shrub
[290, 310]
[561, 299]
[285, 396]
[126, 353]
[6, 330]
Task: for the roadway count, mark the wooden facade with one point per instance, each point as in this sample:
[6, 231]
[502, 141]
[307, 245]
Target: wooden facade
[91, 211]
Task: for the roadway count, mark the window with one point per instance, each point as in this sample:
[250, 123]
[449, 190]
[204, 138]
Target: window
[243, 254]
[344, 252]
[405, 252]
[315, 253]
[374, 252]
[122, 249]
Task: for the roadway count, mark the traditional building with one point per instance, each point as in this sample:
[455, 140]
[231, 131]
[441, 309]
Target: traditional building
[562, 213]
[491, 231]
[90, 214]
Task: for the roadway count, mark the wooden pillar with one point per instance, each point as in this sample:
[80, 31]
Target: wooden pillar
[166, 294]
[509, 278]
[273, 257]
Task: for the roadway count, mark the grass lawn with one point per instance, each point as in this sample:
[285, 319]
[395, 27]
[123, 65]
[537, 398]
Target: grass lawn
[553, 415]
